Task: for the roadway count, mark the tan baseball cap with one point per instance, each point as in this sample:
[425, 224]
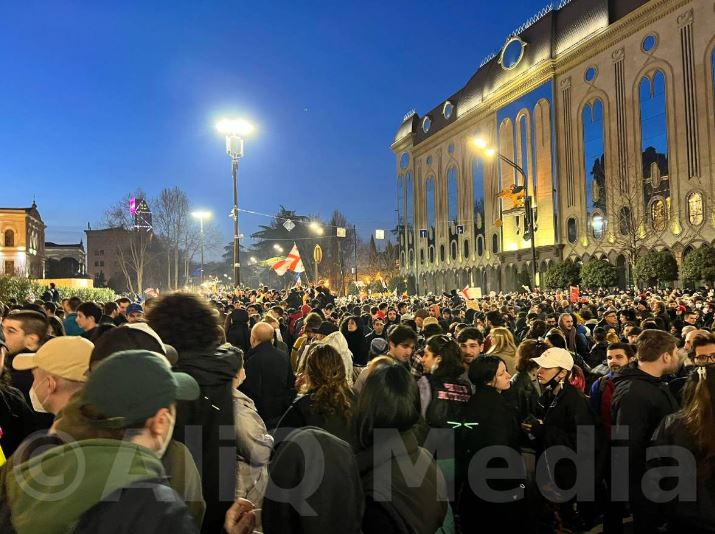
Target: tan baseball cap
[65, 356]
[429, 320]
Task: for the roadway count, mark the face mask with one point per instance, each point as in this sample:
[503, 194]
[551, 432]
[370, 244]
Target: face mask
[165, 443]
[37, 404]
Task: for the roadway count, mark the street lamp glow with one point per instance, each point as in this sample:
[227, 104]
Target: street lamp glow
[480, 142]
[278, 247]
[201, 215]
[316, 228]
[253, 259]
[490, 152]
[235, 127]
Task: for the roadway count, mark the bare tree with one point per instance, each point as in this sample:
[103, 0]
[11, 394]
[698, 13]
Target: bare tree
[132, 244]
[171, 222]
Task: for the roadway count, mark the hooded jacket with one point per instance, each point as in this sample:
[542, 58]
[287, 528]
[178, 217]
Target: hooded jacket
[314, 486]
[338, 342]
[78, 488]
[213, 410]
[238, 333]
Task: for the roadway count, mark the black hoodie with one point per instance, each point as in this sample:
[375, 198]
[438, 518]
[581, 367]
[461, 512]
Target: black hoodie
[208, 415]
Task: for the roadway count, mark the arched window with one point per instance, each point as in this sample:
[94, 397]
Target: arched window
[695, 208]
[431, 254]
[400, 201]
[452, 195]
[625, 224]
[658, 215]
[571, 233]
[422, 256]
[495, 244]
[480, 246]
[478, 181]
[466, 249]
[429, 199]
[9, 238]
[441, 253]
[453, 248]
[594, 166]
[409, 200]
[654, 138]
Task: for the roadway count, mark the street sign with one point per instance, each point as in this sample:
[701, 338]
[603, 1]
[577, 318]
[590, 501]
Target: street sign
[289, 225]
[341, 232]
[460, 228]
[317, 254]
[379, 234]
[423, 232]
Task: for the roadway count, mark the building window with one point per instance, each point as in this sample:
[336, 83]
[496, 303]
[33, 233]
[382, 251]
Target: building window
[495, 244]
[9, 239]
[512, 53]
[590, 74]
[404, 160]
[441, 253]
[450, 148]
[422, 256]
[649, 43]
[658, 214]
[96, 263]
[695, 208]
[447, 110]
[9, 267]
[598, 224]
[466, 249]
[480, 246]
[101, 264]
[452, 195]
[426, 124]
[409, 200]
[431, 254]
[594, 163]
[101, 252]
[571, 233]
[454, 250]
[430, 201]
[654, 137]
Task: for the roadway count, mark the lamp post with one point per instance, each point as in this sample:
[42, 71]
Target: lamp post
[235, 130]
[529, 229]
[201, 215]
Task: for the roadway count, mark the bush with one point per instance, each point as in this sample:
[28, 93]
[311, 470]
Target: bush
[656, 267]
[21, 289]
[562, 275]
[700, 265]
[598, 273]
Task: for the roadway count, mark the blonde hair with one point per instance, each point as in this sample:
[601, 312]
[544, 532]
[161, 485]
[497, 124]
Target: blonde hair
[502, 341]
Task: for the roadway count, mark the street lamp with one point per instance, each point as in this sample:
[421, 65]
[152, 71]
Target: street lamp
[201, 215]
[490, 152]
[315, 227]
[277, 247]
[235, 130]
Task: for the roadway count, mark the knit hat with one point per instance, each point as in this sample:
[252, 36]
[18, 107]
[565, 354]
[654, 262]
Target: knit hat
[378, 346]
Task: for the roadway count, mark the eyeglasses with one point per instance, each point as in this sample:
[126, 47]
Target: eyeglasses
[704, 358]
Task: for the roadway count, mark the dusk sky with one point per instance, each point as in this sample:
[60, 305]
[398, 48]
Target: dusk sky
[99, 98]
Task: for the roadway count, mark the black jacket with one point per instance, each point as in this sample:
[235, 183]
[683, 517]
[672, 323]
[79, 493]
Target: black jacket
[238, 333]
[640, 402]
[488, 421]
[597, 355]
[17, 419]
[269, 382]
[146, 507]
[209, 416]
[565, 414]
[302, 414]
[685, 516]
[523, 396]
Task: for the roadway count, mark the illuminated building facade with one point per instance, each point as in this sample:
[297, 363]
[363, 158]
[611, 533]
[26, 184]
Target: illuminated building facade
[22, 242]
[609, 109]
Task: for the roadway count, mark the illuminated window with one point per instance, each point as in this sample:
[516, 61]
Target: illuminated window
[695, 208]
[658, 215]
[598, 224]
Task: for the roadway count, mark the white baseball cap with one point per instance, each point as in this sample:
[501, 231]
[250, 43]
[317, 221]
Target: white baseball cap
[555, 357]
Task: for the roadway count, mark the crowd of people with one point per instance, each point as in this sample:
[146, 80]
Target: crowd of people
[297, 412]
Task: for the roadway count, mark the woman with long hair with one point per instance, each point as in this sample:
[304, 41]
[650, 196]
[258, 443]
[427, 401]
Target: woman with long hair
[524, 392]
[691, 429]
[325, 399]
[504, 346]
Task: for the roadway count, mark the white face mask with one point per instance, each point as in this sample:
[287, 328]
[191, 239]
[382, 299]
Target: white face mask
[165, 443]
[37, 404]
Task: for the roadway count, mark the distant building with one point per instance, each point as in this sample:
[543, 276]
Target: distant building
[606, 107]
[65, 261]
[22, 242]
[103, 262]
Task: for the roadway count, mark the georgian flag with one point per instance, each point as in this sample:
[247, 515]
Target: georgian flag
[292, 262]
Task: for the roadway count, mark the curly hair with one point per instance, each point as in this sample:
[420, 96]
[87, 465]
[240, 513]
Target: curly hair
[186, 322]
[326, 381]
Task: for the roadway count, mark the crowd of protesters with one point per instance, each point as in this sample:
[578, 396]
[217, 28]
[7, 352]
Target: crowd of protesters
[297, 412]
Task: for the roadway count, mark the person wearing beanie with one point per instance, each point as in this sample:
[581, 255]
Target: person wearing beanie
[378, 347]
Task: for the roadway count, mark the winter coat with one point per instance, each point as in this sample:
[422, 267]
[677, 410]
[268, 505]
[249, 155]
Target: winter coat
[523, 396]
[254, 447]
[269, 381]
[17, 419]
[238, 333]
[696, 516]
[214, 371]
[597, 355]
[301, 413]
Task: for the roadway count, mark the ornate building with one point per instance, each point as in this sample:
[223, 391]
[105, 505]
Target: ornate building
[609, 109]
[22, 242]
[65, 260]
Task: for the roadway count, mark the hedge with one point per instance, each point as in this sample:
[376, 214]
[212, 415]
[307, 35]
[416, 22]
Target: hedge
[21, 289]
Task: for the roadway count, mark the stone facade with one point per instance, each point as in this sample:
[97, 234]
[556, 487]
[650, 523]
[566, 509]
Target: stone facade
[22, 242]
[609, 109]
[65, 260]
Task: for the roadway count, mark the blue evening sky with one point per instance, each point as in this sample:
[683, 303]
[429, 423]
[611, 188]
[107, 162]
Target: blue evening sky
[98, 98]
